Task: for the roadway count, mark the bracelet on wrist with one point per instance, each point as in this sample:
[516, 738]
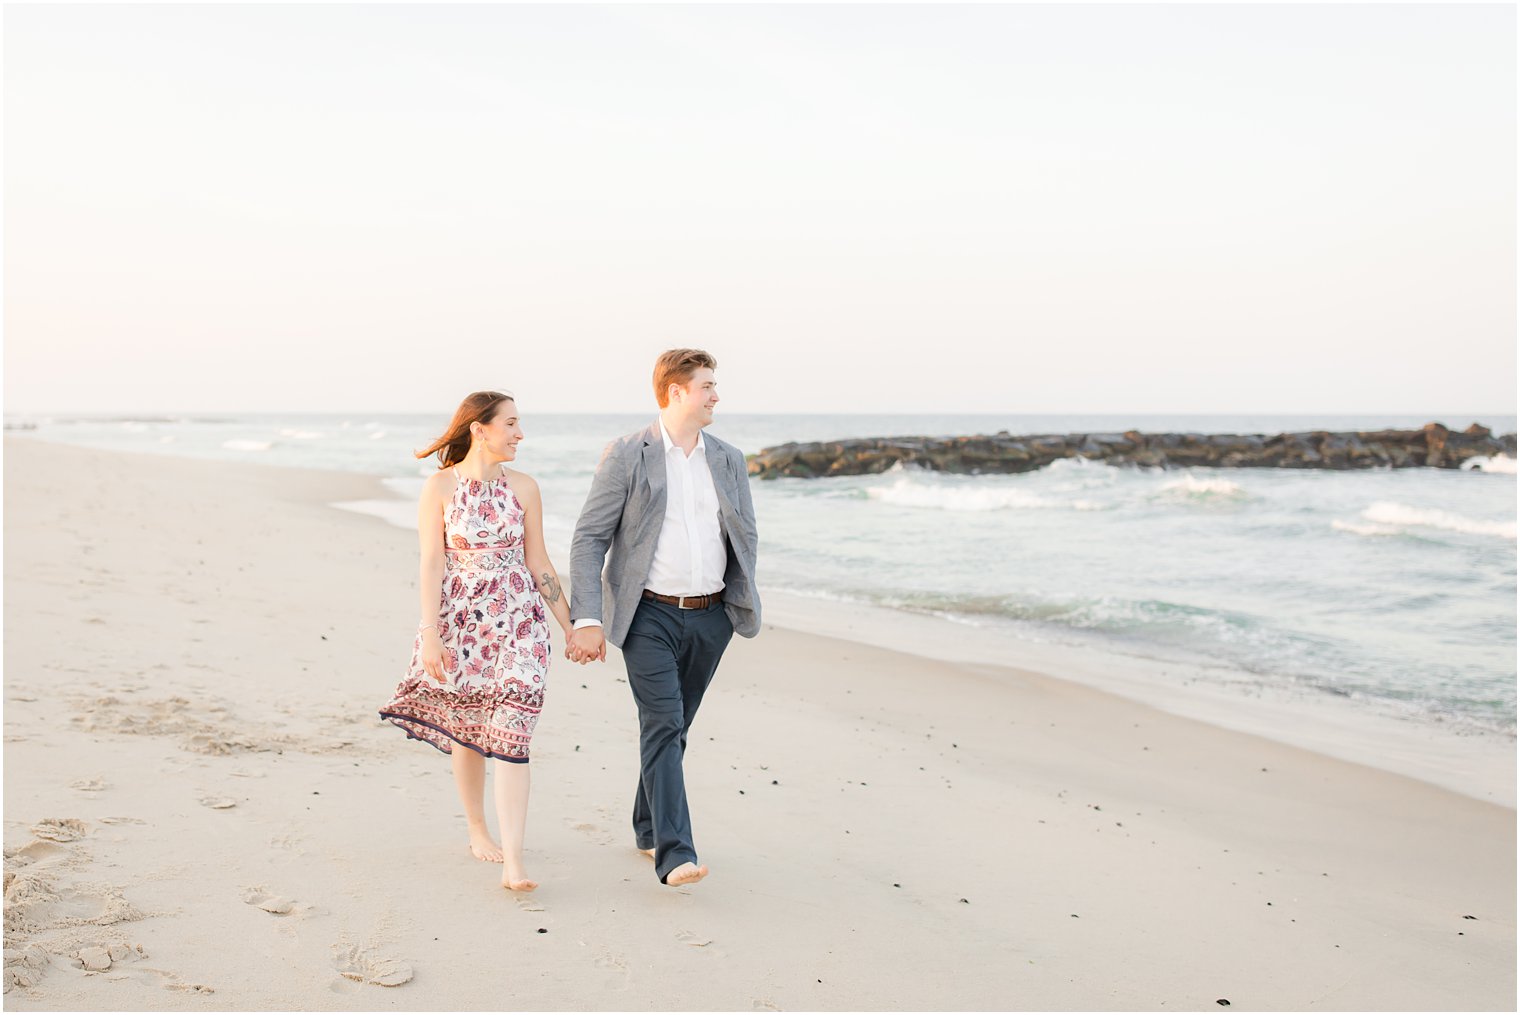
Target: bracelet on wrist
[424, 627]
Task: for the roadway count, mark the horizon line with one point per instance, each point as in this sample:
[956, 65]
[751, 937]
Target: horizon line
[182, 415]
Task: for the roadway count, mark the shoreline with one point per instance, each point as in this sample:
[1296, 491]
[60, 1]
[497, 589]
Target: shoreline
[1477, 763]
[195, 654]
[1480, 764]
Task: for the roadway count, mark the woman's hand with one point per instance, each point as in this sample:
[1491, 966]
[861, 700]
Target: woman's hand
[432, 655]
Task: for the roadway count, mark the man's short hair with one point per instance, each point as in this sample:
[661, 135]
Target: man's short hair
[676, 366]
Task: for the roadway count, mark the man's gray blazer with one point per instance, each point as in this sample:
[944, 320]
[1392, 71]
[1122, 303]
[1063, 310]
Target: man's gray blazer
[624, 512]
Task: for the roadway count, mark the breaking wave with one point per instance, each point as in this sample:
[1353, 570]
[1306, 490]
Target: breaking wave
[1389, 518]
[1193, 488]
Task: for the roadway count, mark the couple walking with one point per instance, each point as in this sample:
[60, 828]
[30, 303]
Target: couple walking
[670, 516]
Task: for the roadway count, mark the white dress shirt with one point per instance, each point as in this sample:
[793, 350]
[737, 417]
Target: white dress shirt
[689, 557]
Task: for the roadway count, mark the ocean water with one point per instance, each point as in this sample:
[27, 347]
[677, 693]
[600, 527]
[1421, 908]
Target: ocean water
[1394, 590]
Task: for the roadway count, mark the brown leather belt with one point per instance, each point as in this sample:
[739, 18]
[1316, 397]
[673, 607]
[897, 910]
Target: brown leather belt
[687, 602]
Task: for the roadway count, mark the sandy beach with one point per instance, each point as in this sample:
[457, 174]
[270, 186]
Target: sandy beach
[203, 811]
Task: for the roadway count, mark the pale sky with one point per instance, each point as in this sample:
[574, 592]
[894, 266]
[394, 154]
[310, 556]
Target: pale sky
[855, 208]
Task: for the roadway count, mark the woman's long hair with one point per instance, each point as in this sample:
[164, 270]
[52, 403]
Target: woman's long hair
[454, 444]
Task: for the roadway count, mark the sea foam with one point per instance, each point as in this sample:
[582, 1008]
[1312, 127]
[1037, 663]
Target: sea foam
[1500, 464]
[1402, 516]
[1191, 486]
[241, 445]
[907, 492]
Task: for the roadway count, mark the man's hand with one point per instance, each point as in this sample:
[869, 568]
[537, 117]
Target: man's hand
[586, 644]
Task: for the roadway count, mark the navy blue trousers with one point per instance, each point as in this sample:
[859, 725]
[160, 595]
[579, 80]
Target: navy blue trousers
[671, 655]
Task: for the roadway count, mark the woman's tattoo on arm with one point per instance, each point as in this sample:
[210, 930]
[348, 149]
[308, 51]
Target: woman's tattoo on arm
[550, 586]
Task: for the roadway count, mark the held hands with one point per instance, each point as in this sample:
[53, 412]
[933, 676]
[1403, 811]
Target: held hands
[585, 644]
[432, 655]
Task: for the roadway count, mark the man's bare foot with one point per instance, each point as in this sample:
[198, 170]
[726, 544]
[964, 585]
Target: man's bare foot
[484, 847]
[686, 874]
[648, 852]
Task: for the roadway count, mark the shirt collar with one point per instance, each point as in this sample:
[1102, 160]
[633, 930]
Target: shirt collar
[665, 435]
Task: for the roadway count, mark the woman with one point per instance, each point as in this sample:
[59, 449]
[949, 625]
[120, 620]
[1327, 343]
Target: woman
[476, 681]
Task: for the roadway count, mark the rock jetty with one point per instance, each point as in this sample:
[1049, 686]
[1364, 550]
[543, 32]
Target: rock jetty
[1433, 446]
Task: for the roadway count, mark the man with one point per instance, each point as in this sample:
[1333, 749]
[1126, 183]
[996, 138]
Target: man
[673, 507]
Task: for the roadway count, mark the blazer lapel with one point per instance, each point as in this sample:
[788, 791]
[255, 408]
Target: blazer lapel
[717, 464]
[730, 520]
[654, 464]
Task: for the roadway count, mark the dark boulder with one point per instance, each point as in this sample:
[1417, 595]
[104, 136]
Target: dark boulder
[1433, 445]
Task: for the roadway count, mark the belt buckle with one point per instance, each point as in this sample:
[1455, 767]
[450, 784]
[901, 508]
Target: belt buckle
[681, 602]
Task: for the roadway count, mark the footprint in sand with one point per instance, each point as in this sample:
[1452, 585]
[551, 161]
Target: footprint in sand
[594, 831]
[528, 904]
[32, 852]
[210, 743]
[259, 898]
[89, 785]
[616, 965]
[218, 803]
[205, 728]
[60, 829]
[687, 937]
[122, 821]
[762, 1004]
[190, 988]
[364, 965]
[25, 967]
[40, 905]
[170, 981]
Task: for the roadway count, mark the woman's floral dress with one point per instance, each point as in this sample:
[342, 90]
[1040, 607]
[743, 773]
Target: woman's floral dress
[494, 630]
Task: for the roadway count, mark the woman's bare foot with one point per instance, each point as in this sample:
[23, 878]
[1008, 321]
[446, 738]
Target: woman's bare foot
[514, 878]
[517, 881]
[483, 846]
[686, 874]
